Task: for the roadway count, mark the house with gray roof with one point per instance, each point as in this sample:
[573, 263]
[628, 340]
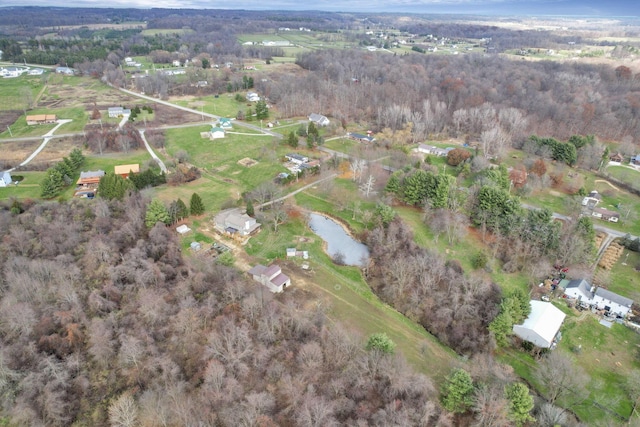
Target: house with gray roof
[600, 298]
[319, 119]
[579, 289]
[235, 223]
[611, 302]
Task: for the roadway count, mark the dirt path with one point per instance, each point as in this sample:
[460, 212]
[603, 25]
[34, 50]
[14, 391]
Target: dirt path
[608, 183]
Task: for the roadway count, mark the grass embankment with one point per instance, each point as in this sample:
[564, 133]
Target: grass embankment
[349, 298]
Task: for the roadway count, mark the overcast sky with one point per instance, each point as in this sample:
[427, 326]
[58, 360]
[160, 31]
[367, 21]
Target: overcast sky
[502, 7]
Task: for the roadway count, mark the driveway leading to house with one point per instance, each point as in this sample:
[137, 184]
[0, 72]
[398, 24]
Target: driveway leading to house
[157, 159]
[47, 137]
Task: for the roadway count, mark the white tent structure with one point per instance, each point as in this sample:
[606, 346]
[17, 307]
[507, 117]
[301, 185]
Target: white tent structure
[542, 325]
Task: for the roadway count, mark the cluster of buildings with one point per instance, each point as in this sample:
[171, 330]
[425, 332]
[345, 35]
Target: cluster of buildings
[542, 326]
[87, 184]
[590, 203]
[297, 163]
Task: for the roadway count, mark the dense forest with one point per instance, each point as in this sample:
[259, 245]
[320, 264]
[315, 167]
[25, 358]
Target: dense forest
[103, 322]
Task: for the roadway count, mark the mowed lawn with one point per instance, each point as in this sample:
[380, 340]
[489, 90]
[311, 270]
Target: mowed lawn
[15, 92]
[223, 179]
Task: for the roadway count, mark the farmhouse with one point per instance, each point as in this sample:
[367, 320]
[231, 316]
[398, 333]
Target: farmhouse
[600, 298]
[125, 170]
[542, 326]
[360, 137]
[616, 158]
[271, 277]
[606, 214]
[65, 70]
[115, 112]
[635, 160]
[90, 179]
[253, 97]
[591, 200]
[41, 119]
[319, 119]
[5, 179]
[432, 150]
[235, 224]
[296, 158]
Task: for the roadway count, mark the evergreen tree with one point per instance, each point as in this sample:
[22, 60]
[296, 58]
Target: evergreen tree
[457, 392]
[393, 185]
[76, 158]
[183, 210]
[292, 140]
[47, 188]
[262, 112]
[156, 212]
[196, 207]
[114, 186]
[250, 209]
[520, 403]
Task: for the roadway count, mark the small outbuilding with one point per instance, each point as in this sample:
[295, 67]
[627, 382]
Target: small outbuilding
[183, 229]
[271, 277]
[5, 179]
[542, 326]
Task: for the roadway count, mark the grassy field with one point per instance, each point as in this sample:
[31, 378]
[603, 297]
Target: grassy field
[604, 354]
[29, 188]
[225, 105]
[625, 279]
[350, 300]
[625, 174]
[14, 92]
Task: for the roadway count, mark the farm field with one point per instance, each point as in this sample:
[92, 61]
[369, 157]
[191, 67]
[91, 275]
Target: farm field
[625, 275]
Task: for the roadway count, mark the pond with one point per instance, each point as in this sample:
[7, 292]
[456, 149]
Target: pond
[338, 240]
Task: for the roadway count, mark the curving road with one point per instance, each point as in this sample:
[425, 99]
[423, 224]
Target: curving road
[47, 137]
[157, 159]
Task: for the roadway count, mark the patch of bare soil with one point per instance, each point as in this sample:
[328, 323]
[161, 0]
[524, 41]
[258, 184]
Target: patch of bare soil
[247, 162]
[7, 118]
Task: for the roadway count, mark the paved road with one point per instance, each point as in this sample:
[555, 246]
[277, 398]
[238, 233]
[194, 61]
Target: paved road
[47, 137]
[203, 114]
[157, 159]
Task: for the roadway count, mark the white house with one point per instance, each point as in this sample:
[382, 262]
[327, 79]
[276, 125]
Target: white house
[319, 119]
[296, 158]
[434, 151]
[271, 277]
[115, 112]
[253, 97]
[600, 298]
[65, 70]
[579, 289]
[542, 325]
[611, 302]
[5, 179]
[233, 222]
